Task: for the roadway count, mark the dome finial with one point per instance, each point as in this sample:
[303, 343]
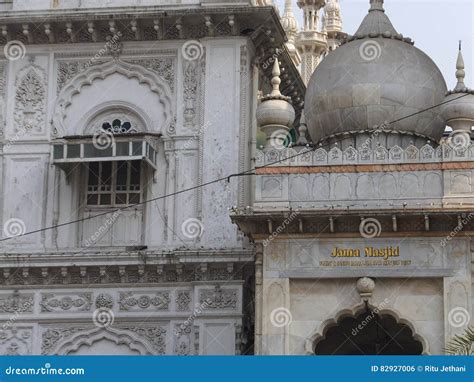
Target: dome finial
[276, 79]
[303, 130]
[376, 5]
[460, 72]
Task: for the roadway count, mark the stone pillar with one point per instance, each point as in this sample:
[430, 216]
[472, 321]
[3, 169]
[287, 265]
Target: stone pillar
[458, 290]
[258, 298]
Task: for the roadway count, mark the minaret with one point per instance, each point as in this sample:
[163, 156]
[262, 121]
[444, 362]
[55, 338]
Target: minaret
[311, 42]
[459, 111]
[333, 23]
[290, 25]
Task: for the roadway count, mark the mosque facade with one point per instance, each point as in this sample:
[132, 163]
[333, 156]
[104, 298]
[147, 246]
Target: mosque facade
[139, 214]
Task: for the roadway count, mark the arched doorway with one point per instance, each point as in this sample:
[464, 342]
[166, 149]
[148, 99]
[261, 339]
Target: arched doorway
[368, 333]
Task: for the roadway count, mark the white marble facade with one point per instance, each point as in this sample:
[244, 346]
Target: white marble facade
[165, 277]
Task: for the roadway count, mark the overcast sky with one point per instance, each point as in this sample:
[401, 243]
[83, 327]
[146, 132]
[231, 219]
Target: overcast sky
[436, 26]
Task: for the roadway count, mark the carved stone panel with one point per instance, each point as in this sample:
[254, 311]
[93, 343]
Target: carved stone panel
[183, 299]
[3, 87]
[16, 340]
[16, 304]
[30, 101]
[80, 302]
[218, 298]
[133, 302]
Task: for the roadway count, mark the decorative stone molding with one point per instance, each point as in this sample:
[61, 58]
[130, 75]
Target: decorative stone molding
[3, 89]
[363, 155]
[218, 298]
[155, 83]
[16, 303]
[81, 302]
[134, 302]
[165, 67]
[30, 100]
[89, 275]
[66, 340]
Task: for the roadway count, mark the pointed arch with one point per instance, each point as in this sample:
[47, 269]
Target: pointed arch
[320, 333]
[117, 336]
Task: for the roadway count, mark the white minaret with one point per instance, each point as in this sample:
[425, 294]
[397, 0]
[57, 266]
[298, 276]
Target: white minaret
[311, 42]
[290, 25]
[333, 23]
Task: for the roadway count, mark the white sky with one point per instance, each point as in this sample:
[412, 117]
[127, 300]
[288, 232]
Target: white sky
[436, 26]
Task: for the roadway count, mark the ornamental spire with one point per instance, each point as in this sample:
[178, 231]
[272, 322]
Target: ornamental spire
[276, 79]
[460, 72]
[376, 5]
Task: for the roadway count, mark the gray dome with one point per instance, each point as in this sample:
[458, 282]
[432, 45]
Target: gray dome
[377, 76]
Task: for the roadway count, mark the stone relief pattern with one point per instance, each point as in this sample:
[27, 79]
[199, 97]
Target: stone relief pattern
[70, 303]
[3, 87]
[16, 341]
[183, 299]
[192, 78]
[53, 336]
[183, 340]
[16, 304]
[218, 298]
[155, 335]
[350, 155]
[164, 67]
[68, 70]
[30, 100]
[132, 302]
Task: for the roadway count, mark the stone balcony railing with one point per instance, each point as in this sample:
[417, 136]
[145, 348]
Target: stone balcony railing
[353, 179]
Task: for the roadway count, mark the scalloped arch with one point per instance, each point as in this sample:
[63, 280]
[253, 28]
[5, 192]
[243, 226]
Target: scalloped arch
[89, 337]
[320, 333]
[99, 72]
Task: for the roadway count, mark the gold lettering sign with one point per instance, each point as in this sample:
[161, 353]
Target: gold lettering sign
[372, 252]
